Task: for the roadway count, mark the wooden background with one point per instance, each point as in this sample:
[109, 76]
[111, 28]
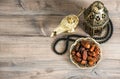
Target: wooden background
[25, 45]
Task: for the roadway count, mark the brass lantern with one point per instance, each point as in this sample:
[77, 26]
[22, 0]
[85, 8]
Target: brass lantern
[96, 18]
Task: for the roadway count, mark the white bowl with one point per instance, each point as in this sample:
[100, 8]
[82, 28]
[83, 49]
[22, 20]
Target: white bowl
[78, 65]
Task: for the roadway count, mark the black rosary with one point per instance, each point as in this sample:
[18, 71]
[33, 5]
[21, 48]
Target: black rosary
[68, 38]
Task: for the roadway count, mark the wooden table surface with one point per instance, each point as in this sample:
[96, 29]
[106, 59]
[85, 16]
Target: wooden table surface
[25, 45]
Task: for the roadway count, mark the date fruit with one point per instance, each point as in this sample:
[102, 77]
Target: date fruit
[86, 53]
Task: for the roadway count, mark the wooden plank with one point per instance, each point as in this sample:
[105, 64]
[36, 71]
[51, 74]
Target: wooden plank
[26, 68]
[31, 7]
[11, 46]
[27, 25]
[37, 25]
[49, 7]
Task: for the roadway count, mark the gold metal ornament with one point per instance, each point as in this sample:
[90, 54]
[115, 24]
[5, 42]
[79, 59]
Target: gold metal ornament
[96, 18]
[68, 24]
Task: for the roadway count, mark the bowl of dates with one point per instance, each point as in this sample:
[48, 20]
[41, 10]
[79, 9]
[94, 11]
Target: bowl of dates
[85, 53]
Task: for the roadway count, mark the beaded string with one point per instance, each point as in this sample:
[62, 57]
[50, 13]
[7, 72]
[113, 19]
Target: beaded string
[68, 38]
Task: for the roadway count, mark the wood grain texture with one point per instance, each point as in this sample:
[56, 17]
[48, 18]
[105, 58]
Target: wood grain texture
[25, 45]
